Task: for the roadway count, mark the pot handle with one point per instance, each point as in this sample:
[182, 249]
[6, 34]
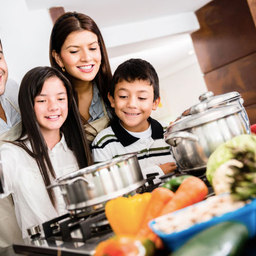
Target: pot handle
[90, 184]
[172, 138]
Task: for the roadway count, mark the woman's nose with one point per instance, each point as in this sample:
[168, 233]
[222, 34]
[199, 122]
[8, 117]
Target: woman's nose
[85, 56]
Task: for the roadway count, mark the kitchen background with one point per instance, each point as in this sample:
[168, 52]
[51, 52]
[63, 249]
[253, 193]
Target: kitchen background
[193, 45]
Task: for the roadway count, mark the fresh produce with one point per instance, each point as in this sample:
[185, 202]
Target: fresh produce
[224, 152]
[125, 246]
[174, 183]
[214, 206]
[237, 176]
[125, 215]
[159, 197]
[192, 190]
[226, 238]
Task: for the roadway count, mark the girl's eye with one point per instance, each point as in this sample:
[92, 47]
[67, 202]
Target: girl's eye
[40, 101]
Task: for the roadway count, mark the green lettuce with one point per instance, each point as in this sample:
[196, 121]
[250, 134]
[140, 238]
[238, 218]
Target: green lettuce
[223, 152]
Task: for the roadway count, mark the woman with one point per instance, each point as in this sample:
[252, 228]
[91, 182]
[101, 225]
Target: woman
[52, 144]
[78, 50]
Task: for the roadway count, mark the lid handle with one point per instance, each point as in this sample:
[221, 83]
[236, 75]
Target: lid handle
[206, 95]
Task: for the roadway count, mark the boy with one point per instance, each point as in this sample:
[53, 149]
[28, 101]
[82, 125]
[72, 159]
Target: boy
[133, 94]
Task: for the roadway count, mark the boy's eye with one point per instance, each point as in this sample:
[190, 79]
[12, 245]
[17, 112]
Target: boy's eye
[122, 96]
[141, 98]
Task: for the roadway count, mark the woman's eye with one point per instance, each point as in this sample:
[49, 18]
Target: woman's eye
[73, 51]
[93, 49]
[62, 98]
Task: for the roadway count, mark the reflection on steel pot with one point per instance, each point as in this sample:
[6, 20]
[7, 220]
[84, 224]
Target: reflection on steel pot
[194, 137]
[208, 100]
[98, 183]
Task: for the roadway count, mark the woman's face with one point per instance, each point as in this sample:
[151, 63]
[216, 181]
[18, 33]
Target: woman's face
[80, 55]
[51, 106]
[3, 72]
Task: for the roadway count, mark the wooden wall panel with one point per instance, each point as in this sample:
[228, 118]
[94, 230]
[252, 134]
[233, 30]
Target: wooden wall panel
[237, 76]
[252, 6]
[56, 12]
[251, 112]
[227, 33]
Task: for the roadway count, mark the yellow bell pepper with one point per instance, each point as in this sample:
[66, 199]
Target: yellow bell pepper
[125, 215]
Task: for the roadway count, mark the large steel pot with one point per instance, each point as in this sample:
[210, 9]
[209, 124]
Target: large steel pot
[194, 137]
[94, 185]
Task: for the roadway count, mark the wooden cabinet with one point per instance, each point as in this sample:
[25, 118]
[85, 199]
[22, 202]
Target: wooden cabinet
[225, 46]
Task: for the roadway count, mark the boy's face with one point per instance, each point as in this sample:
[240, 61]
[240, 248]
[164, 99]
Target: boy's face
[3, 72]
[133, 103]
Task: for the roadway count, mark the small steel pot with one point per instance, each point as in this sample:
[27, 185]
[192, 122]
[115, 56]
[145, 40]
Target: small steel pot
[101, 182]
[194, 137]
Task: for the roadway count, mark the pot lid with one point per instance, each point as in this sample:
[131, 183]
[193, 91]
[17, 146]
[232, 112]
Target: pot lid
[212, 101]
[203, 115]
[96, 167]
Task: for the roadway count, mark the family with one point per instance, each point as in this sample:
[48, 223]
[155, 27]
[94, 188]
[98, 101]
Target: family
[69, 116]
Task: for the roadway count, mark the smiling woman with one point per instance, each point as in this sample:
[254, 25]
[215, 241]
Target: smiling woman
[77, 49]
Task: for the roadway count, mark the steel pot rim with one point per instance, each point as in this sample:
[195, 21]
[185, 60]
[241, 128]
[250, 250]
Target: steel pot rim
[95, 167]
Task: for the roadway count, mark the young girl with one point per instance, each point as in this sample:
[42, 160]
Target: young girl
[52, 144]
[78, 50]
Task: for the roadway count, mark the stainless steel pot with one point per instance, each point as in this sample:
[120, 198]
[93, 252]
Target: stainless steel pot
[194, 137]
[94, 185]
[208, 100]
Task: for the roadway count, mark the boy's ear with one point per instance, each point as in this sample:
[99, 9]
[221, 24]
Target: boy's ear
[156, 103]
[57, 58]
[111, 100]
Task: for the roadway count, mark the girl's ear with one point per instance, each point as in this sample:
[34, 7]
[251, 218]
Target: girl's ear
[57, 58]
[156, 103]
[111, 100]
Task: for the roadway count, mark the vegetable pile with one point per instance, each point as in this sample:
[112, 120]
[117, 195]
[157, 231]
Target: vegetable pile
[232, 167]
[129, 217]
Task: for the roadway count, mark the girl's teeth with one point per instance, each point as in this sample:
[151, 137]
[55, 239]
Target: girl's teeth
[52, 117]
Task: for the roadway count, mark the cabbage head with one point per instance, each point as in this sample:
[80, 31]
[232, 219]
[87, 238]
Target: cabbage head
[223, 152]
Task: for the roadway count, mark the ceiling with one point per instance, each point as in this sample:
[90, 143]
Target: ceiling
[158, 31]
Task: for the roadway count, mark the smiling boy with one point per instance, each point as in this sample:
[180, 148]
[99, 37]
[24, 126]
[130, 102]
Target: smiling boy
[134, 93]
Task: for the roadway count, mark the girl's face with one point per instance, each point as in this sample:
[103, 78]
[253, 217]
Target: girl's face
[80, 55]
[51, 106]
[133, 103]
[3, 72]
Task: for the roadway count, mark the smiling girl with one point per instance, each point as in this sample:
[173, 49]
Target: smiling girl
[53, 143]
[78, 50]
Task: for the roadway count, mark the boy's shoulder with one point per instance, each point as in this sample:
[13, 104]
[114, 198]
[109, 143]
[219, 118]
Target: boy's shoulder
[103, 136]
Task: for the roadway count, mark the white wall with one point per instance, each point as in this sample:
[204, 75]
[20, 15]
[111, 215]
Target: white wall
[25, 36]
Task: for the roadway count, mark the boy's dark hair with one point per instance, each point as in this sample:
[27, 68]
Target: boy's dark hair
[136, 69]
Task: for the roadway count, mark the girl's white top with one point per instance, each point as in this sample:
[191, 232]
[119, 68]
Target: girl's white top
[23, 180]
